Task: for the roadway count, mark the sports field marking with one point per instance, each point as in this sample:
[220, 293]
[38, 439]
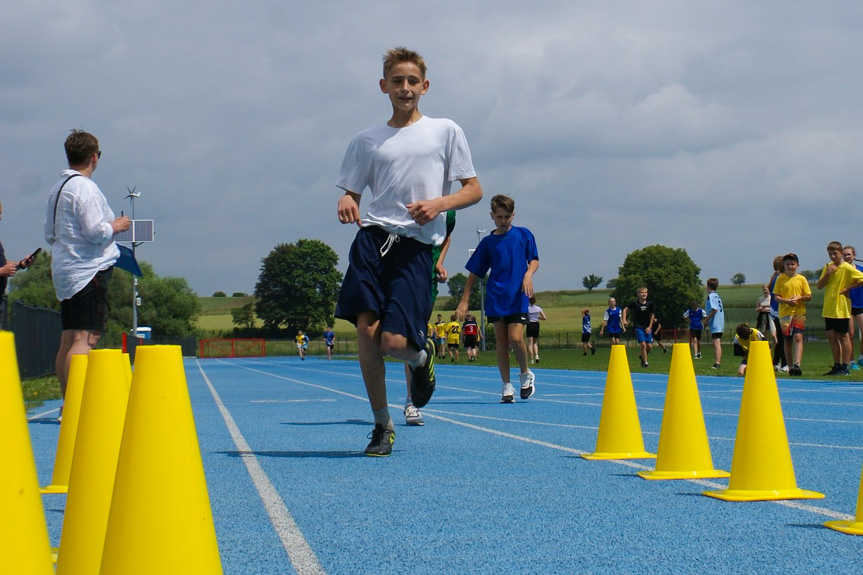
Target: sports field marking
[43, 414]
[301, 555]
[433, 413]
[704, 483]
[293, 401]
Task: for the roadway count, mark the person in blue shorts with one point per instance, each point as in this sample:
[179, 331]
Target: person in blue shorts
[408, 164]
[696, 316]
[510, 253]
[611, 322]
[643, 316]
[330, 341]
[849, 254]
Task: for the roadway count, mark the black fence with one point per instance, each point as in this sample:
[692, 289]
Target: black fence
[37, 338]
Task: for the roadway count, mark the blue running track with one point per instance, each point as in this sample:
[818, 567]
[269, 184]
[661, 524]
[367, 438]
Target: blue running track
[487, 488]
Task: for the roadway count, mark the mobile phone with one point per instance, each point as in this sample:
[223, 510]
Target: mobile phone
[33, 255]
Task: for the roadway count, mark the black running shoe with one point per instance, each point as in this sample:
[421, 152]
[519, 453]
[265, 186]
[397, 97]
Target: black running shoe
[423, 380]
[381, 444]
[834, 370]
[795, 370]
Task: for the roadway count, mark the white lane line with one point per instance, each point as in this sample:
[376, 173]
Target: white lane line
[293, 401]
[43, 414]
[301, 555]
[628, 463]
[829, 513]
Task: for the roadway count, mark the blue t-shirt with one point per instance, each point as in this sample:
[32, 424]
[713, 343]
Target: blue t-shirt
[717, 322]
[329, 337]
[856, 294]
[694, 316]
[585, 324]
[612, 319]
[507, 256]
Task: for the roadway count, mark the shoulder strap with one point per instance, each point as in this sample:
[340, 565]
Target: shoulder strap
[57, 199]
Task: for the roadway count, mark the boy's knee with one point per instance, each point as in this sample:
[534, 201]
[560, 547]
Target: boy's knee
[393, 343]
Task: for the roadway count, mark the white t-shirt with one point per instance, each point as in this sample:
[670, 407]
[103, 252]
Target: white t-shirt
[405, 165]
[82, 239]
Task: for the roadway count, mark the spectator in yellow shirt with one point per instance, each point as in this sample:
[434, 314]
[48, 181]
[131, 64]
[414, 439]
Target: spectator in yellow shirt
[792, 292]
[838, 277]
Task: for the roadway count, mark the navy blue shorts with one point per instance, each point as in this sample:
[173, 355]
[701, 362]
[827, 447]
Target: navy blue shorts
[395, 287]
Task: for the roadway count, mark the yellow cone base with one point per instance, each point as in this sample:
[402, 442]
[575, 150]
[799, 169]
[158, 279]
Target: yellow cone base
[662, 475]
[849, 527]
[763, 495]
[632, 455]
[53, 489]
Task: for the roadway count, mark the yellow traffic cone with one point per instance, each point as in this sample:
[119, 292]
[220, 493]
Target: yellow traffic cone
[24, 546]
[851, 527]
[619, 428]
[127, 366]
[69, 426]
[683, 452]
[761, 468]
[160, 520]
[94, 464]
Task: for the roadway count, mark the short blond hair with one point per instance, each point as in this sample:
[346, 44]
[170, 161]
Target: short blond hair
[401, 54]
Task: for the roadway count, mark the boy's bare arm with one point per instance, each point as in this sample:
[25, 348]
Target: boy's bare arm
[829, 270]
[527, 282]
[426, 210]
[461, 310]
[349, 208]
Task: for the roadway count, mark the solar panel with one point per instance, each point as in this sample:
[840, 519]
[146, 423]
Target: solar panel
[140, 231]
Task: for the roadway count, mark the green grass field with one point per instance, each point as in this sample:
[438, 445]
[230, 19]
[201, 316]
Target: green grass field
[563, 309]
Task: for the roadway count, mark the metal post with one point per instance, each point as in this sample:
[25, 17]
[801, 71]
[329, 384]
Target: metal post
[132, 195]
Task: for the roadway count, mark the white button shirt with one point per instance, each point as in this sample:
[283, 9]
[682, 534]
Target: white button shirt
[81, 238]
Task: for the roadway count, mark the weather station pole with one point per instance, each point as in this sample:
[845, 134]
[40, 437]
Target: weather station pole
[131, 197]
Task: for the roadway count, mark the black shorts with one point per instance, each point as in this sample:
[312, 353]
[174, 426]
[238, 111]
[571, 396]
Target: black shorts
[87, 310]
[452, 345]
[716, 335]
[855, 311]
[837, 324]
[695, 333]
[513, 318]
[470, 341]
[395, 287]
[532, 329]
[585, 337]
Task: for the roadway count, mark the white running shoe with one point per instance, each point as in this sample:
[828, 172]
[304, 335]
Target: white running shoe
[413, 416]
[507, 393]
[527, 381]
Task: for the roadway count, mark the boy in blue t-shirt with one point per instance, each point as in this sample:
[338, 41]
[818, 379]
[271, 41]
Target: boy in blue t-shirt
[330, 340]
[611, 321]
[695, 315]
[849, 254]
[511, 255]
[586, 332]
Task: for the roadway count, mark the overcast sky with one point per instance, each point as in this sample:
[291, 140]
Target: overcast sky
[731, 129]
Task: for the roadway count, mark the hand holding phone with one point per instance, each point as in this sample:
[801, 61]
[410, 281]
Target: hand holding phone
[26, 262]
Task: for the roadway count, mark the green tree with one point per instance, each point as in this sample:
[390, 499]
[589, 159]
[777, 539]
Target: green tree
[590, 282]
[670, 276]
[611, 284]
[219, 294]
[244, 316]
[810, 275]
[456, 285]
[738, 279]
[298, 286]
[169, 305]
